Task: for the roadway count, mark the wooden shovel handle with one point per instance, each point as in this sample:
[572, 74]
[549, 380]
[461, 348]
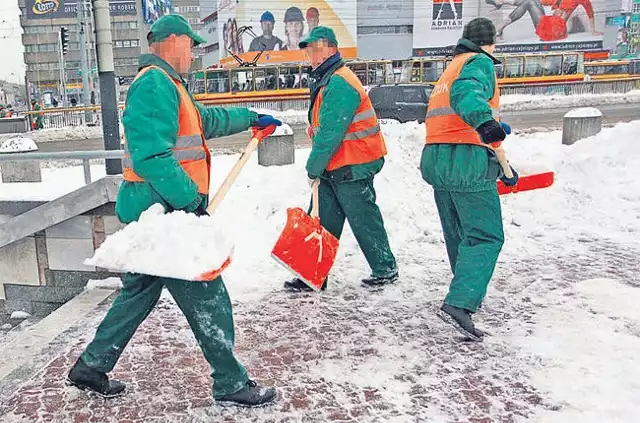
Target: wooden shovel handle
[502, 159]
[315, 199]
[233, 174]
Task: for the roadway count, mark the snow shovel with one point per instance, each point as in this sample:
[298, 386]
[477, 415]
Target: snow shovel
[134, 236]
[525, 183]
[306, 248]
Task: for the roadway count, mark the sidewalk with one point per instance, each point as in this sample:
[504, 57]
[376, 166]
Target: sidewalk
[348, 355]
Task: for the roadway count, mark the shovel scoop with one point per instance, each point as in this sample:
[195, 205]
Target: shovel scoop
[176, 245]
[306, 248]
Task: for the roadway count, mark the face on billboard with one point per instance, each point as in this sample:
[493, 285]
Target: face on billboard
[280, 25]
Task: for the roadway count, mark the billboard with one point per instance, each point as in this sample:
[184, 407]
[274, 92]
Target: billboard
[55, 9]
[152, 10]
[277, 26]
[522, 25]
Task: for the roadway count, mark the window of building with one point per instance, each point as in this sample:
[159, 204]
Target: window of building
[211, 48]
[393, 29]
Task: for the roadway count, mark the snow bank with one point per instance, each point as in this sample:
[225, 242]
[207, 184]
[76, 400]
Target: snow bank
[517, 102]
[109, 283]
[583, 112]
[20, 315]
[64, 134]
[292, 117]
[18, 145]
[176, 245]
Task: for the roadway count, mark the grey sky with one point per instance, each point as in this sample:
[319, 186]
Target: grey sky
[11, 62]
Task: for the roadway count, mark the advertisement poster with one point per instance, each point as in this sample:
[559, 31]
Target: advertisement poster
[54, 9]
[152, 10]
[275, 27]
[522, 25]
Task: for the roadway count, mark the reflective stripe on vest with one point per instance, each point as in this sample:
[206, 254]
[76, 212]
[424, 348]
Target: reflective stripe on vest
[363, 142]
[190, 149]
[443, 124]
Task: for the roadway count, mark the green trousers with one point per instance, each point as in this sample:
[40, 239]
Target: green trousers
[207, 308]
[472, 226]
[355, 201]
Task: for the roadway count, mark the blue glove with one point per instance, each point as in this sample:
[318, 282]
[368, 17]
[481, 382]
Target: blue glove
[506, 128]
[266, 120]
[510, 182]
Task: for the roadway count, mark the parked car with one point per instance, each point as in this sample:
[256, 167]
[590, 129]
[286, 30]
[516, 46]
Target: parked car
[402, 102]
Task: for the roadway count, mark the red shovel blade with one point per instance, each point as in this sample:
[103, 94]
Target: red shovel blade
[214, 273]
[306, 248]
[528, 183]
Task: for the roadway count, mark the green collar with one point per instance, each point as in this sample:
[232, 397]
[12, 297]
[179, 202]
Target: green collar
[153, 60]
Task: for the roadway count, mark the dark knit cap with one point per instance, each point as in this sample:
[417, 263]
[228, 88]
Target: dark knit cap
[480, 31]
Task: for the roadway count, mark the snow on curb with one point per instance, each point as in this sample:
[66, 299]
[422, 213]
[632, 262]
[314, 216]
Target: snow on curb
[583, 112]
[20, 315]
[518, 102]
[109, 283]
[18, 145]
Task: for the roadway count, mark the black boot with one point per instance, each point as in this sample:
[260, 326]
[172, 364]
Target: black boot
[493, 3]
[379, 281]
[460, 319]
[296, 285]
[84, 377]
[251, 395]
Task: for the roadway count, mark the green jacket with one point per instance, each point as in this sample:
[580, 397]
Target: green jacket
[150, 123]
[339, 104]
[466, 168]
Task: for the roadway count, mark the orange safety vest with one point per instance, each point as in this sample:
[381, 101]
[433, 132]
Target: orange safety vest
[444, 126]
[363, 142]
[190, 149]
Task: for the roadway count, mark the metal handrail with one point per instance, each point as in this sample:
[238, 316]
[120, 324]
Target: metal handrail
[85, 156]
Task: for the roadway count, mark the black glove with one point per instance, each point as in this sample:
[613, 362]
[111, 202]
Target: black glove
[202, 209]
[491, 131]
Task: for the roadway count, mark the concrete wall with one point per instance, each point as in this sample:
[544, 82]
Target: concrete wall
[43, 271]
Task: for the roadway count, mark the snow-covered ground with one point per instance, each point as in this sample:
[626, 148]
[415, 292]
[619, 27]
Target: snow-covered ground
[561, 309]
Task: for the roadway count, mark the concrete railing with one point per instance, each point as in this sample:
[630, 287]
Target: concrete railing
[84, 156]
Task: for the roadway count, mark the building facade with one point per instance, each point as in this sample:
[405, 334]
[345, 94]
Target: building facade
[190, 9]
[209, 31]
[41, 41]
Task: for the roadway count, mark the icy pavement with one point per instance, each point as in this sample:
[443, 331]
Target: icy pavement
[561, 310]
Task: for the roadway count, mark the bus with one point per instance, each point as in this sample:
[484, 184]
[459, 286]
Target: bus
[290, 81]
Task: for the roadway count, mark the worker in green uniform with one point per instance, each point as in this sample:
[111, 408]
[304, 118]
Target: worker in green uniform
[459, 161]
[167, 162]
[38, 124]
[348, 150]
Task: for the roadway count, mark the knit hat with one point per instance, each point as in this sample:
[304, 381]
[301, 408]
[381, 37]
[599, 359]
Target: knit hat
[480, 31]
